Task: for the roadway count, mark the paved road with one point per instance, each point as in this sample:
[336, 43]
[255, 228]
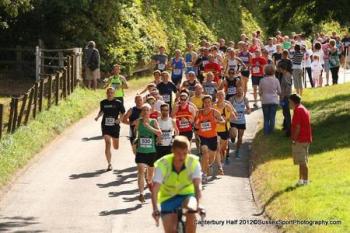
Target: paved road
[67, 190]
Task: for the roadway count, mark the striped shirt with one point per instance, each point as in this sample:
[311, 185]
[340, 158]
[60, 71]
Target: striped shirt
[297, 59]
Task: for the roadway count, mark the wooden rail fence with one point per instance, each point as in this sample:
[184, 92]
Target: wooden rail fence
[49, 90]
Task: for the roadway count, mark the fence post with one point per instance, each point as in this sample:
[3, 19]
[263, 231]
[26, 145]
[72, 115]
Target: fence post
[41, 94]
[61, 59]
[57, 92]
[18, 58]
[29, 108]
[24, 102]
[15, 115]
[35, 99]
[49, 95]
[37, 63]
[9, 126]
[68, 75]
[74, 70]
[71, 73]
[1, 119]
[64, 83]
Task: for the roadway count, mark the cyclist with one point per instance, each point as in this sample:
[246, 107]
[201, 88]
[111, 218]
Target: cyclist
[177, 178]
[113, 111]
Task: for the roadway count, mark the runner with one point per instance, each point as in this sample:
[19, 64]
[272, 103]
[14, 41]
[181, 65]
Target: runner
[223, 128]
[230, 84]
[147, 129]
[196, 99]
[166, 89]
[241, 105]
[178, 65]
[130, 118]
[168, 127]
[210, 86]
[190, 59]
[214, 68]
[246, 57]
[205, 122]
[232, 62]
[190, 83]
[184, 114]
[112, 111]
[257, 66]
[201, 61]
[118, 82]
[177, 183]
[155, 82]
[154, 113]
[160, 60]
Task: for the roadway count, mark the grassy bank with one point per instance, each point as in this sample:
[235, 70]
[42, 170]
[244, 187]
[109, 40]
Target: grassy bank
[327, 197]
[17, 149]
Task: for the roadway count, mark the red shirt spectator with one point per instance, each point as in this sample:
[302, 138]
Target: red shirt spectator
[215, 68]
[301, 117]
[258, 64]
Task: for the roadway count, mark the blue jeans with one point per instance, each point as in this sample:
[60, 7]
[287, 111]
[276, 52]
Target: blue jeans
[269, 111]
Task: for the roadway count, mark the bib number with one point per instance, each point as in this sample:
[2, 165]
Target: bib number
[206, 126]
[205, 62]
[109, 121]
[161, 66]
[231, 90]
[210, 90]
[166, 98]
[146, 142]
[256, 69]
[177, 71]
[184, 124]
[166, 135]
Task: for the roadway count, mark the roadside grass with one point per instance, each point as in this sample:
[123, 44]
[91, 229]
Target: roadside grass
[139, 83]
[18, 148]
[274, 175]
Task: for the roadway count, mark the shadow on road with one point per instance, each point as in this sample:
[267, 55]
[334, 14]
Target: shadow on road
[274, 196]
[129, 169]
[136, 198]
[120, 211]
[87, 174]
[122, 180]
[9, 224]
[122, 193]
[92, 138]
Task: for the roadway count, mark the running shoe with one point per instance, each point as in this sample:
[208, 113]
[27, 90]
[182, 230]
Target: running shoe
[204, 178]
[221, 171]
[300, 183]
[141, 198]
[109, 168]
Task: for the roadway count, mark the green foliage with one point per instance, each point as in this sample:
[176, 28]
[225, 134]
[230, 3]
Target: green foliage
[125, 31]
[10, 10]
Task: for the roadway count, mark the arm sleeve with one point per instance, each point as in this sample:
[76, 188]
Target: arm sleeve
[158, 176]
[197, 174]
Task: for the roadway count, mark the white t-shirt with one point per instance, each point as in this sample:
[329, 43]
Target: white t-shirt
[271, 49]
[158, 176]
[307, 62]
[320, 54]
[316, 68]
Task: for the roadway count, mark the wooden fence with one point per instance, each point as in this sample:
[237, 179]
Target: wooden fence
[49, 90]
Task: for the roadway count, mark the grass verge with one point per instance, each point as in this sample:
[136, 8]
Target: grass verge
[327, 197]
[17, 149]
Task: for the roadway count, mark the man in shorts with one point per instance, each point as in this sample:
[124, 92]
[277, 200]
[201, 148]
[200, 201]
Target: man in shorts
[92, 65]
[112, 111]
[257, 70]
[301, 137]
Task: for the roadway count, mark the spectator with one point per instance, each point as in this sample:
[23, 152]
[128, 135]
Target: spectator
[269, 90]
[286, 90]
[334, 62]
[92, 65]
[297, 70]
[301, 137]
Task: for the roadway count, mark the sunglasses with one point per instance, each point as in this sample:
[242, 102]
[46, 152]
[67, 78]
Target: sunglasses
[183, 99]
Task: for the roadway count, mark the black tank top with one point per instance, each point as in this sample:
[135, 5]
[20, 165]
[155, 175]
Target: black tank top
[135, 114]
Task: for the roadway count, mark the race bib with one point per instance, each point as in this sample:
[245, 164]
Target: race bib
[146, 142]
[166, 135]
[184, 124]
[231, 90]
[245, 59]
[166, 98]
[240, 116]
[256, 69]
[109, 121]
[210, 90]
[116, 85]
[205, 62]
[189, 64]
[177, 71]
[206, 126]
[161, 66]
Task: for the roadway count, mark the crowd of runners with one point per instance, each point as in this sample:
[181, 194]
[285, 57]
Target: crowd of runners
[201, 94]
